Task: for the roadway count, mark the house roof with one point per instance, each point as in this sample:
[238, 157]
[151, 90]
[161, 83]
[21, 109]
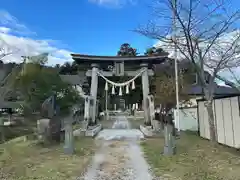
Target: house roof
[169, 64]
[195, 89]
[2, 74]
[74, 79]
[9, 104]
[218, 90]
[89, 59]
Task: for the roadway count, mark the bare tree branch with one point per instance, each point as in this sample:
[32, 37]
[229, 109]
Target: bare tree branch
[206, 36]
[6, 49]
[237, 79]
[3, 53]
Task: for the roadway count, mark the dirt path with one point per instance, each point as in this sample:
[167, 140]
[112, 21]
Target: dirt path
[119, 156]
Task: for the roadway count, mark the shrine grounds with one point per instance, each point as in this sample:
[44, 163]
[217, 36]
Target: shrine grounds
[196, 159]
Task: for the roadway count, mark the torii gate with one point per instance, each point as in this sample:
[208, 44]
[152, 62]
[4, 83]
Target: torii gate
[119, 63]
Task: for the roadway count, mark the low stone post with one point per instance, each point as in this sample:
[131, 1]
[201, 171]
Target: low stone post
[69, 139]
[107, 115]
[169, 135]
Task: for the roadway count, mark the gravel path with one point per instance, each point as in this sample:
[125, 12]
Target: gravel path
[119, 156]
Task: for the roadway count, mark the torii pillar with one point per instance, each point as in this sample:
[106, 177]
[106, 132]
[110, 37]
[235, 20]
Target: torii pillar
[93, 92]
[145, 88]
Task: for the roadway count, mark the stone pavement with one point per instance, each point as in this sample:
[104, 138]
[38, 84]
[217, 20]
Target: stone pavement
[119, 156]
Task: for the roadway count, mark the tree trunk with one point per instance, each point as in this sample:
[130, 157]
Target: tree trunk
[212, 128]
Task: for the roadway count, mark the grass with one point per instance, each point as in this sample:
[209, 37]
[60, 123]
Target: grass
[196, 159]
[25, 160]
[77, 126]
[135, 123]
[23, 126]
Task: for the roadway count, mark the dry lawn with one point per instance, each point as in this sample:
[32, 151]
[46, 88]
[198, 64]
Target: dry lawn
[115, 160]
[196, 159]
[25, 160]
[135, 123]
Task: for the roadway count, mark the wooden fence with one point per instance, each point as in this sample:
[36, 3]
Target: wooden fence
[226, 119]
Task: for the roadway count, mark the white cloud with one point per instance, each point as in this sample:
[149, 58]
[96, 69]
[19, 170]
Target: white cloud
[11, 22]
[18, 39]
[114, 3]
[5, 30]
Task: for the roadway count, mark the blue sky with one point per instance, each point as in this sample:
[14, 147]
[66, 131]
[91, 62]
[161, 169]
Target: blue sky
[82, 26]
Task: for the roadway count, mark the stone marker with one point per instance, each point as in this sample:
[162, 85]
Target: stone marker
[169, 135]
[68, 142]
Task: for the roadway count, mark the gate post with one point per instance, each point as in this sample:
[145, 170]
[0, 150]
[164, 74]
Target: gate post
[145, 88]
[93, 92]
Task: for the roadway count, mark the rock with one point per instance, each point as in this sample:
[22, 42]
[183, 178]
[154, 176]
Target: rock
[48, 130]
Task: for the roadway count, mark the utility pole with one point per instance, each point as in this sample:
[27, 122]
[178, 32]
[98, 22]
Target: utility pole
[170, 144]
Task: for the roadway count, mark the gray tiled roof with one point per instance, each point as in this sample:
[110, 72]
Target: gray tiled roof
[3, 74]
[169, 64]
[74, 79]
[9, 104]
[218, 90]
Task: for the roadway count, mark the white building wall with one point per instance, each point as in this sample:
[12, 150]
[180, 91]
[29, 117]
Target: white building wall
[188, 119]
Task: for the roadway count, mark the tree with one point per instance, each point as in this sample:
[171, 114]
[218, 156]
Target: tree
[127, 50]
[205, 35]
[37, 82]
[6, 50]
[154, 51]
[4, 53]
[57, 66]
[164, 81]
[69, 68]
[10, 68]
[7, 92]
[40, 85]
